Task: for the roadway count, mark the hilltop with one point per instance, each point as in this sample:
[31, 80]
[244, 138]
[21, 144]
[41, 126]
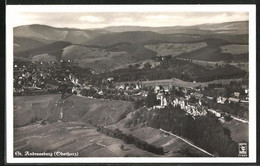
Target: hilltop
[111, 47]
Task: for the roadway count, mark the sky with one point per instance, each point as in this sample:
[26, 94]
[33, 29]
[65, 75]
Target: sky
[91, 20]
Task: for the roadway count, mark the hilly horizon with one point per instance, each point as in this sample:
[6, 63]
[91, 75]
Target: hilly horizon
[110, 47]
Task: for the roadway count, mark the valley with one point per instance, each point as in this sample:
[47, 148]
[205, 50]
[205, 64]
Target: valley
[130, 91]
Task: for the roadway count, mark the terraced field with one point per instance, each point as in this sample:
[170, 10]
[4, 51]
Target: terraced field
[28, 109]
[72, 137]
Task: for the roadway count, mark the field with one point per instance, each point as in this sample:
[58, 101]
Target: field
[181, 83]
[72, 134]
[173, 146]
[165, 49]
[240, 65]
[234, 49]
[81, 52]
[29, 109]
[239, 130]
[72, 137]
[44, 58]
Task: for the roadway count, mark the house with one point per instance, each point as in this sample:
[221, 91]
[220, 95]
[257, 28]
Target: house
[182, 103]
[221, 100]
[137, 86]
[166, 89]
[236, 94]
[157, 89]
[110, 79]
[209, 97]
[175, 102]
[222, 120]
[101, 92]
[198, 95]
[216, 113]
[161, 96]
[138, 94]
[121, 87]
[88, 87]
[75, 90]
[187, 97]
[233, 100]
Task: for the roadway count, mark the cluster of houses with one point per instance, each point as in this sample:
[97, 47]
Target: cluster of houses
[236, 98]
[35, 76]
[194, 109]
[191, 107]
[108, 90]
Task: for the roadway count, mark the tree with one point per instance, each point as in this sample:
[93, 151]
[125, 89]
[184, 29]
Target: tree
[150, 99]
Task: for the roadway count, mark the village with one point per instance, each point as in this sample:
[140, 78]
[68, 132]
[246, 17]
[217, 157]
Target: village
[190, 100]
[44, 77]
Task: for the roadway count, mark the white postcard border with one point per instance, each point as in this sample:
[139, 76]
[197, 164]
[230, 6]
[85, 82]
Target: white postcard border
[251, 9]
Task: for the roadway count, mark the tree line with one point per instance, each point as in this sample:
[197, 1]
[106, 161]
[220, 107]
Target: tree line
[205, 131]
[129, 139]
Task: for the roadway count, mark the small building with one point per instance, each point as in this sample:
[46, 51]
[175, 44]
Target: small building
[236, 94]
[166, 89]
[110, 79]
[182, 102]
[121, 87]
[157, 89]
[209, 97]
[101, 92]
[216, 113]
[233, 100]
[221, 100]
[175, 102]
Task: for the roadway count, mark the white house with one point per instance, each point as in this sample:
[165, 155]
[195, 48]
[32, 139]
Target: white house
[221, 100]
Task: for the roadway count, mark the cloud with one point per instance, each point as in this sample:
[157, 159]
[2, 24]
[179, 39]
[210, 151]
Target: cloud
[87, 20]
[162, 17]
[90, 18]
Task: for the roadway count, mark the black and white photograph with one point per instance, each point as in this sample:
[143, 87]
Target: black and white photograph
[131, 83]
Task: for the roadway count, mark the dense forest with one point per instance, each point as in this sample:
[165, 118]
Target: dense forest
[176, 68]
[205, 132]
[129, 139]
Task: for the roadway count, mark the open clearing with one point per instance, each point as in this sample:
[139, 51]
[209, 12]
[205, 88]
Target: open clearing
[239, 130]
[175, 49]
[72, 137]
[79, 51]
[234, 49]
[44, 58]
[181, 83]
[172, 145]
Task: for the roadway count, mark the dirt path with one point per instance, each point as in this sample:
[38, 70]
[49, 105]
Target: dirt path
[187, 142]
